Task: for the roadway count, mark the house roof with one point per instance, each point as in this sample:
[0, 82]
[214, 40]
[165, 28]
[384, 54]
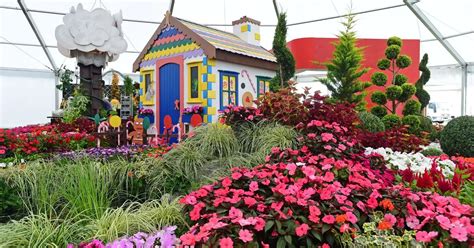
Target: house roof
[216, 44]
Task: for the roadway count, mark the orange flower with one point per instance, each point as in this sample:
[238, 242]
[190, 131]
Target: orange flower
[384, 225]
[387, 204]
[341, 218]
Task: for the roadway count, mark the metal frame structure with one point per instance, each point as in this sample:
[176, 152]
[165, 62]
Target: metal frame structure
[437, 34]
[411, 4]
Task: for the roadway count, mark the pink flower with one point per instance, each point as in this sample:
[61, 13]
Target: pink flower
[253, 186]
[412, 221]
[311, 135]
[390, 218]
[302, 230]
[327, 147]
[275, 150]
[344, 228]
[459, 233]
[188, 239]
[372, 202]
[291, 167]
[341, 147]
[195, 213]
[351, 217]
[249, 201]
[236, 175]
[444, 222]
[245, 235]
[325, 245]
[259, 224]
[226, 243]
[329, 219]
[326, 137]
[328, 177]
[226, 182]
[422, 236]
[235, 213]
[190, 200]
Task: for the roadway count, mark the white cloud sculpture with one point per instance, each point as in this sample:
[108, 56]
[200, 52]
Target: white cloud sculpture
[93, 37]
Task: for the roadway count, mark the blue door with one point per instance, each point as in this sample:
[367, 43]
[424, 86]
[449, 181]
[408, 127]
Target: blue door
[169, 97]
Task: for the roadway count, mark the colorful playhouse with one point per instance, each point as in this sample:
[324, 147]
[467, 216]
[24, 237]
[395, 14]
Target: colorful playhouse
[189, 71]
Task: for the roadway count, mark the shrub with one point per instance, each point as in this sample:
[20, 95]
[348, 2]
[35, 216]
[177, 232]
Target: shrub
[215, 139]
[379, 97]
[403, 61]
[379, 78]
[457, 138]
[391, 120]
[412, 107]
[394, 92]
[400, 79]
[408, 91]
[379, 111]
[392, 51]
[432, 152]
[413, 123]
[371, 123]
[11, 205]
[383, 64]
[394, 41]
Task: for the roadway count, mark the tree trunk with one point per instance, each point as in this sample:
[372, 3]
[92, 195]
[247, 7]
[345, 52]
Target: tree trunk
[92, 87]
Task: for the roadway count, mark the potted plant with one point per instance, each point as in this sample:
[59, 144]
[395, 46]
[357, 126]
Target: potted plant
[143, 112]
[195, 109]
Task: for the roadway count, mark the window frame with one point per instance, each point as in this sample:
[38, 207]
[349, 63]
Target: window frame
[266, 79]
[143, 85]
[190, 99]
[229, 74]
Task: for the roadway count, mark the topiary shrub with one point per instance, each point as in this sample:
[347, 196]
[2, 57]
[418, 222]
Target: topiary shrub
[413, 123]
[379, 111]
[412, 107]
[457, 138]
[371, 123]
[391, 120]
[432, 152]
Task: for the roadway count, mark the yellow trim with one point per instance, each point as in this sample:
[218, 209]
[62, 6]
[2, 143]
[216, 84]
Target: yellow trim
[211, 94]
[211, 78]
[144, 72]
[199, 98]
[204, 118]
[244, 28]
[257, 36]
[211, 110]
[211, 62]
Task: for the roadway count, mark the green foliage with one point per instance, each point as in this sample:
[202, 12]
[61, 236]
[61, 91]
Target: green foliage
[344, 70]
[394, 92]
[371, 123]
[379, 97]
[412, 107]
[136, 217]
[391, 120]
[413, 122]
[379, 78]
[215, 140]
[392, 52]
[11, 204]
[457, 138]
[398, 91]
[283, 55]
[403, 61]
[408, 91]
[466, 196]
[422, 95]
[76, 108]
[128, 86]
[65, 79]
[432, 152]
[379, 111]
[383, 64]
[394, 40]
[400, 79]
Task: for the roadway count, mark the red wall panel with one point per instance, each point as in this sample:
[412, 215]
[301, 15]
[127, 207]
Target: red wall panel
[311, 53]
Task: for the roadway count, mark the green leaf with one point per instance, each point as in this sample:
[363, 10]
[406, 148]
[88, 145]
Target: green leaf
[326, 227]
[288, 239]
[269, 225]
[278, 223]
[281, 243]
[317, 235]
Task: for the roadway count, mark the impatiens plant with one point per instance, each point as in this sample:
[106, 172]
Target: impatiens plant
[301, 199]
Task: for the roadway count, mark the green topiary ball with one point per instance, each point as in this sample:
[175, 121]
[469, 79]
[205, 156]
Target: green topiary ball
[394, 40]
[426, 125]
[394, 92]
[400, 79]
[403, 61]
[379, 111]
[392, 52]
[383, 64]
[379, 97]
[371, 123]
[408, 91]
[379, 78]
[457, 138]
[412, 107]
[413, 123]
[391, 120]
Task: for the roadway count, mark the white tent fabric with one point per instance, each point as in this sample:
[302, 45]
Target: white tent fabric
[449, 17]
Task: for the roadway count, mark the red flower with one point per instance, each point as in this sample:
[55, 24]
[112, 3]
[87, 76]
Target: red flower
[302, 230]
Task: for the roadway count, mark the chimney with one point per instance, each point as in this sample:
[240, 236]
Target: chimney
[248, 30]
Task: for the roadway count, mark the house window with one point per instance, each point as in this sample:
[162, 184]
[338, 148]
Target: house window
[148, 88]
[229, 88]
[194, 81]
[263, 85]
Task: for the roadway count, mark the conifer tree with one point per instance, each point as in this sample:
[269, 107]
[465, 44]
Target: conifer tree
[344, 70]
[285, 60]
[115, 94]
